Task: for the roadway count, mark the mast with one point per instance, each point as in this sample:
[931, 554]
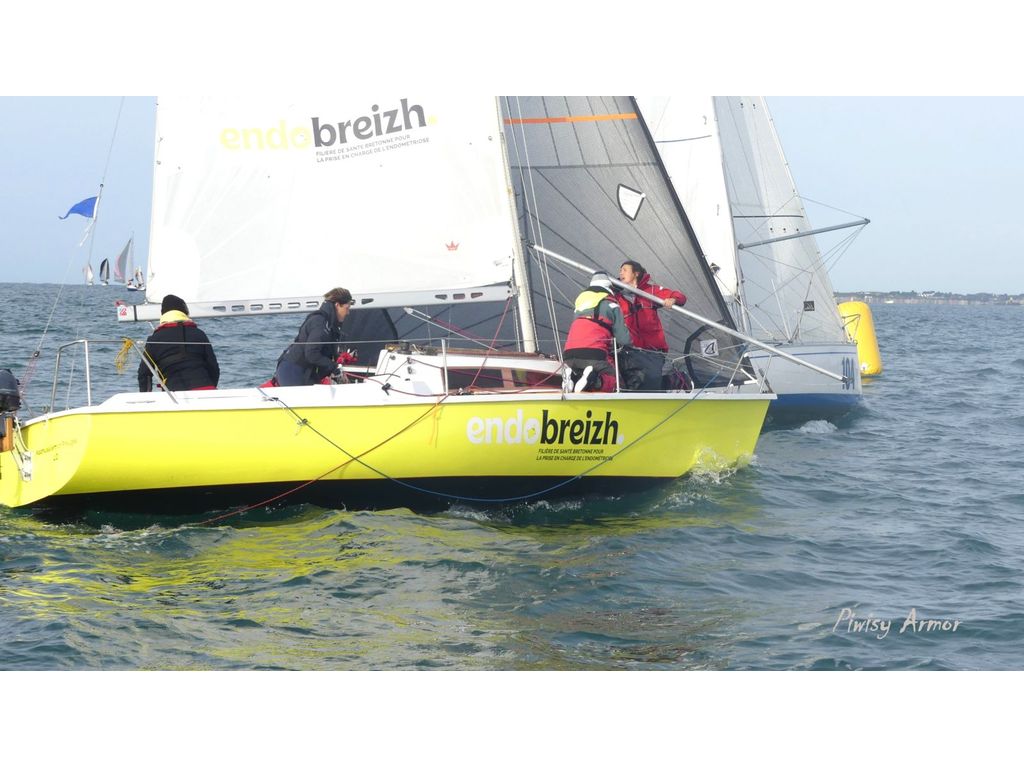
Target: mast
[520, 273]
[89, 235]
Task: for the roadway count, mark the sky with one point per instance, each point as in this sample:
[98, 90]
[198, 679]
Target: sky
[55, 152]
[937, 176]
[934, 164]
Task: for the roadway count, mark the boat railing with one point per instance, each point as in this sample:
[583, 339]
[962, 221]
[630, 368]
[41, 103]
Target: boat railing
[86, 346]
[56, 372]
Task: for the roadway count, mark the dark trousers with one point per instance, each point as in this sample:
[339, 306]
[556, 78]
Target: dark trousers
[641, 368]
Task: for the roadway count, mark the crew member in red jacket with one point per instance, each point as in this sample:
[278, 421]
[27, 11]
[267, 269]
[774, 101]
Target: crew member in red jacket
[595, 333]
[645, 329]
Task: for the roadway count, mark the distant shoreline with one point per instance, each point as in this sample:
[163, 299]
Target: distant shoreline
[929, 297]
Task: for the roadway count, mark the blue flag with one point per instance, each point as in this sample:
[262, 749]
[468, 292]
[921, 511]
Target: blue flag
[85, 208]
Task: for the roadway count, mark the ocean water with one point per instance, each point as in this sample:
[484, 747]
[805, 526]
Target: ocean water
[832, 549]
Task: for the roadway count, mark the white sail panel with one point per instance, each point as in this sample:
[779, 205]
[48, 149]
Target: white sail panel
[121, 267]
[254, 199]
[787, 292]
[687, 139]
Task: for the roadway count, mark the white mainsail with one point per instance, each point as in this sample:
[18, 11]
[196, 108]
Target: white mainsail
[783, 285]
[398, 199]
[728, 168]
[688, 142]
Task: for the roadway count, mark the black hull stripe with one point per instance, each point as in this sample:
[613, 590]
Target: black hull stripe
[426, 494]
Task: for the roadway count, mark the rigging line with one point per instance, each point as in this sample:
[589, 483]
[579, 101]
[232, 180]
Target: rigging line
[536, 232]
[826, 205]
[501, 322]
[110, 151]
[565, 482]
[30, 368]
[529, 204]
[305, 423]
[679, 141]
[418, 489]
[280, 496]
[103, 179]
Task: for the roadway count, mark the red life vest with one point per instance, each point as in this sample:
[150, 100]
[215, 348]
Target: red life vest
[590, 330]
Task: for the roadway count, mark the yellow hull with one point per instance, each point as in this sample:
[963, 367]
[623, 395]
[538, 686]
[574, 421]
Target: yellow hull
[226, 440]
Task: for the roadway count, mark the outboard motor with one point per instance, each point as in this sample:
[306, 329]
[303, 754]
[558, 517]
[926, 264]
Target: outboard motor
[10, 402]
[10, 398]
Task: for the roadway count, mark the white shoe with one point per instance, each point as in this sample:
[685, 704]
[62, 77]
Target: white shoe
[567, 379]
[582, 383]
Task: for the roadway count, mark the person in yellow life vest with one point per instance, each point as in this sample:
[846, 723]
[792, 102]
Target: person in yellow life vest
[597, 330]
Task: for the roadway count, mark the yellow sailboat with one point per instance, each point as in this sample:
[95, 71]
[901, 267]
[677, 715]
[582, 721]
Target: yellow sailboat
[424, 209]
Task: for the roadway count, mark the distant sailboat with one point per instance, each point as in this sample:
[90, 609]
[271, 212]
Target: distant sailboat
[122, 264]
[88, 274]
[137, 283]
[105, 272]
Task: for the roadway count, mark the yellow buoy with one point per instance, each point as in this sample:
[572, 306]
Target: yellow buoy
[861, 328]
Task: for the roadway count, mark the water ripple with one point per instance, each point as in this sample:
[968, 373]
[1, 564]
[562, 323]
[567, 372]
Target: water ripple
[913, 505]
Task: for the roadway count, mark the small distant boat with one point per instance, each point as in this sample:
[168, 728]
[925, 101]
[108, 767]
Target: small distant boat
[105, 272]
[88, 274]
[136, 283]
[122, 264]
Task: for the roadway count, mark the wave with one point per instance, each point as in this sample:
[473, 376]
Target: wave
[818, 427]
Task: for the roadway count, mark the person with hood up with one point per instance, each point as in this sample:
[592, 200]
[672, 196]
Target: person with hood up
[644, 367]
[314, 353]
[179, 351]
[597, 329]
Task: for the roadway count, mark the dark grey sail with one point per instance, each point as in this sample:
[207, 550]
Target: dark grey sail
[590, 185]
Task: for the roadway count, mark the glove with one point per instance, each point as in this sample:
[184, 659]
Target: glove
[338, 376]
[348, 357]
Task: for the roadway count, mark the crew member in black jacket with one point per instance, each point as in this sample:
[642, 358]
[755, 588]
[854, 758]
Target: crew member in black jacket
[314, 353]
[180, 352]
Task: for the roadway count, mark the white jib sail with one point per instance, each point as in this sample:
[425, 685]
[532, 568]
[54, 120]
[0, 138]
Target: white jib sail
[728, 167]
